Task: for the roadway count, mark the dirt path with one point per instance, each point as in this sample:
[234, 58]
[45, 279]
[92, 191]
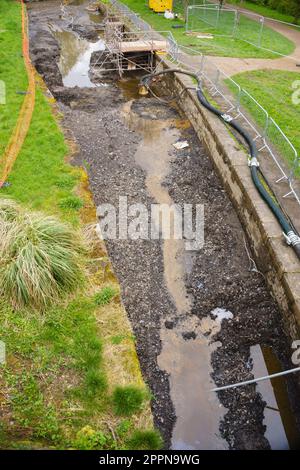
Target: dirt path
[195, 315]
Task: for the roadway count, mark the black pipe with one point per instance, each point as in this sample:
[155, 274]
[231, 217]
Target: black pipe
[291, 236]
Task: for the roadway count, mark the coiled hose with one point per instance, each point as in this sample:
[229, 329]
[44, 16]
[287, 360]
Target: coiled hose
[291, 237]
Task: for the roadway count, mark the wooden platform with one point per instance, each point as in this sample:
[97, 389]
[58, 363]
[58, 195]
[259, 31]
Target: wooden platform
[143, 46]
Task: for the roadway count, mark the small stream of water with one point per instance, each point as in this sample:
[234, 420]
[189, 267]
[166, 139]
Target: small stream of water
[188, 363]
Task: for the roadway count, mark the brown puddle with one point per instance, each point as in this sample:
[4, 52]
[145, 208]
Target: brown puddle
[188, 363]
[198, 410]
[153, 156]
[281, 428]
[75, 57]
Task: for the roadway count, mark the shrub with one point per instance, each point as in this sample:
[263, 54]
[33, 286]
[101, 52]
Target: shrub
[89, 439]
[145, 440]
[105, 295]
[128, 400]
[95, 382]
[66, 182]
[71, 202]
[40, 257]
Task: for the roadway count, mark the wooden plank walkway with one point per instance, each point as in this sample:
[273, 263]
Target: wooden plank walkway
[143, 46]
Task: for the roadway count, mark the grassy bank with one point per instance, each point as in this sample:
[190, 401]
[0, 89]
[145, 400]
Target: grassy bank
[262, 10]
[70, 366]
[218, 45]
[273, 89]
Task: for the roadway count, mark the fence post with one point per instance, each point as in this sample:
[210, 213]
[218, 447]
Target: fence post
[187, 19]
[266, 126]
[262, 22]
[218, 17]
[202, 63]
[238, 100]
[236, 22]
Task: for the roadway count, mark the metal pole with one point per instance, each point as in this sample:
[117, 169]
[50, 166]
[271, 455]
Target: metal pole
[187, 19]
[236, 21]
[262, 21]
[260, 379]
[218, 17]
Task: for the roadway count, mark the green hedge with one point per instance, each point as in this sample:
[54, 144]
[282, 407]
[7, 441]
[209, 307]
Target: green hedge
[289, 7]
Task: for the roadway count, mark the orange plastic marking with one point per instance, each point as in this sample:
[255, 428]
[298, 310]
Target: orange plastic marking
[20, 131]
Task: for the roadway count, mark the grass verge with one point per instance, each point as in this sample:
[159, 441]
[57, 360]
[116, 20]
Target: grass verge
[263, 10]
[274, 90]
[62, 364]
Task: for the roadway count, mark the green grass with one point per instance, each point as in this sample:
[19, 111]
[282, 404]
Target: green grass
[12, 69]
[40, 169]
[61, 346]
[146, 440]
[219, 46]
[127, 400]
[263, 10]
[273, 90]
[71, 202]
[105, 295]
[55, 380]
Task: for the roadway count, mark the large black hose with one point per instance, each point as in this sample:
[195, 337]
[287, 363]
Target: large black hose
[291, 236]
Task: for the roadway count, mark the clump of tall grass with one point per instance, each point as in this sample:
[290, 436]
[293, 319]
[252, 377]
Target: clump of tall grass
[40, 257]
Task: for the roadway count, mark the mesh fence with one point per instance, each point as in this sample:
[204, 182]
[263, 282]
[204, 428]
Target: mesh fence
[211, 19]
[263, 33]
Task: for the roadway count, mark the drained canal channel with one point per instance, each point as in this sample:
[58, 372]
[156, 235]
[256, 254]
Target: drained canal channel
[204, 317]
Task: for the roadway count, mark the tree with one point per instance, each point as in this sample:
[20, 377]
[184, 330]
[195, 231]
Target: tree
[296, 10]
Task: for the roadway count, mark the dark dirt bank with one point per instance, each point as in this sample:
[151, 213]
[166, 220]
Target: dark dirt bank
[220, 275]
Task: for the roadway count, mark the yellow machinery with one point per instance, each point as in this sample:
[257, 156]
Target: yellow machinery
[159, 6]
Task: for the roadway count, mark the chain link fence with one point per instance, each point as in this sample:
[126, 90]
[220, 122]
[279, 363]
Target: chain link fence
[254, 29]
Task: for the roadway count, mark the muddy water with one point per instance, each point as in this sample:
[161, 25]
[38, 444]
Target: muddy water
[281, 429]
[188, 363]
[153, 156]
[75, 58]
[198, 411]
[275, 432]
